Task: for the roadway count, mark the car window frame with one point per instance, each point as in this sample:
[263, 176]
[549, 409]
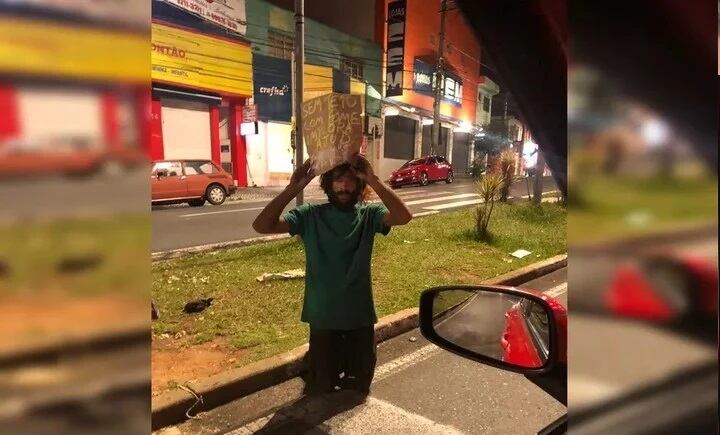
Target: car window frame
[169, 162]
[536, 335]
[200, 163]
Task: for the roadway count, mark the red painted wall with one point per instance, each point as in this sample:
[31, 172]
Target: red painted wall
[215, 134]
[422, 24]
[9, 117]
[157, 151]
[110, 119]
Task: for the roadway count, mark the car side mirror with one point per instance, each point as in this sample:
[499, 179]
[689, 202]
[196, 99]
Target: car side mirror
[161, 173]
[503, 327]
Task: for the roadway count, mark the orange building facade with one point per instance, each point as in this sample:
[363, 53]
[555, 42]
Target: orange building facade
[409, 32]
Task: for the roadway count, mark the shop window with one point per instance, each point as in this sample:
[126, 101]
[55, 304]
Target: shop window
[352, 67]
[486, 103]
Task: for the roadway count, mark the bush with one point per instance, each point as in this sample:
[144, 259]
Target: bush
[488, 188]
[506, 169]
[477, 169]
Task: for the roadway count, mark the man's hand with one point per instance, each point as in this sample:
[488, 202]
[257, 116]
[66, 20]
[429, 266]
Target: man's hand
[269, 221]
[302, 176]
[398, 213]
[362, 167]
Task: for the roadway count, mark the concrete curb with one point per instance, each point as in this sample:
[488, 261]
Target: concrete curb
[175, 253]
[634, 244]
[85, 343]
[169, 408]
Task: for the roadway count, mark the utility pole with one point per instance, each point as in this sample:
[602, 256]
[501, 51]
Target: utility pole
[538, 186]
[299, 61]
[505, 118]
[435, 142]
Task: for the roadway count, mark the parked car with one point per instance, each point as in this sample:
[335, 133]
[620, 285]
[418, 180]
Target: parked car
[423, 171]
[20, 159]
[526, 337]
[191, 181]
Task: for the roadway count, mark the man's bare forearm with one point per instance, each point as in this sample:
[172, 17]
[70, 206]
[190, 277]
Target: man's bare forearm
[399, 212]
[270, 215]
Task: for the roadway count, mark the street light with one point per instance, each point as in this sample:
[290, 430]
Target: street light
[465, 127]
[391, 111]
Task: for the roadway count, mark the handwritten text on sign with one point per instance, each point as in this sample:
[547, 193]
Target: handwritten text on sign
[332, 128]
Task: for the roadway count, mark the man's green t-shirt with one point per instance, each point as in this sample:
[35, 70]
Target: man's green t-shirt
[338, 250]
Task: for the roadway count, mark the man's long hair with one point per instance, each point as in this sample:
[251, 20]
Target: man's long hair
[326, 182]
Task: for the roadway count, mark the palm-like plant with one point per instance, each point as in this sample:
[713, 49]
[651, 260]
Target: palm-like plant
[506, 169]
[488, 188]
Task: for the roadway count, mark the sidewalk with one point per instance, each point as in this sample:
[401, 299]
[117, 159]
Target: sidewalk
[269, 192]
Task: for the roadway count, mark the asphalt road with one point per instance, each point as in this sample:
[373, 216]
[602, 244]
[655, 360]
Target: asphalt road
[44, 199]
[477, 324]
[418, 389]
[181, 226]
[88, 391]
[610, 356]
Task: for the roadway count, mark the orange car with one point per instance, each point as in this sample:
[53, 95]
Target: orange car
[191, 181]
[71, 162]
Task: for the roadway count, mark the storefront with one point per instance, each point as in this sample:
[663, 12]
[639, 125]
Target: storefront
[61, 106]
[200, 84]
[271, 154]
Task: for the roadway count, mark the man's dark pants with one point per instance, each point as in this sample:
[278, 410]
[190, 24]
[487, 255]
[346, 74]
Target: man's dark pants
[333, 352]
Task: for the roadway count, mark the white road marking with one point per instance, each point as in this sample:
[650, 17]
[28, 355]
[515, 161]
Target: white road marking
[375, 416]
[424, 195]
[583, 391]
[453, 204]
[425, 213]
[379, 417]
[442, 198]
[401, 363]
[557, 290]
[223, 211]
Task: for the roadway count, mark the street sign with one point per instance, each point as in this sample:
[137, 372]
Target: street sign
[250, 113]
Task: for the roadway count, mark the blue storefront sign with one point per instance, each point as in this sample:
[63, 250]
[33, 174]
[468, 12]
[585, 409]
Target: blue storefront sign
[272, 90]
[424, 83]
[423, 77]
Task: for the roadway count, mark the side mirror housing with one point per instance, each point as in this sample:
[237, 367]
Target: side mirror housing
[503, 327]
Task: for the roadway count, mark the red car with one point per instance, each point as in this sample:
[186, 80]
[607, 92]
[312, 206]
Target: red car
[423, 171]
[191, 181]
[527, 335]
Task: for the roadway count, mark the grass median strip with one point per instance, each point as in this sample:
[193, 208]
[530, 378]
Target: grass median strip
[619, 207]
[256, 320]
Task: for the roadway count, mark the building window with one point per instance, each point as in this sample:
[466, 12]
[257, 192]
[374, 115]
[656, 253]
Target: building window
[353, 68]
[486, 103]
[453, 90]
[280, 45]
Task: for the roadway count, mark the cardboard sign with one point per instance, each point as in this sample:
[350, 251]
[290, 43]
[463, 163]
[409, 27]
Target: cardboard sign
[332, 129]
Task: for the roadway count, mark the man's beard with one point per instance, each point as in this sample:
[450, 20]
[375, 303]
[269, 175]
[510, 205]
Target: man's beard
[334, 199]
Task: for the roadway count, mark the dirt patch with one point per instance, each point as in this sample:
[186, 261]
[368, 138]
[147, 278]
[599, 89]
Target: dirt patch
[174, 361]
[37, 318]
[461, 276]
